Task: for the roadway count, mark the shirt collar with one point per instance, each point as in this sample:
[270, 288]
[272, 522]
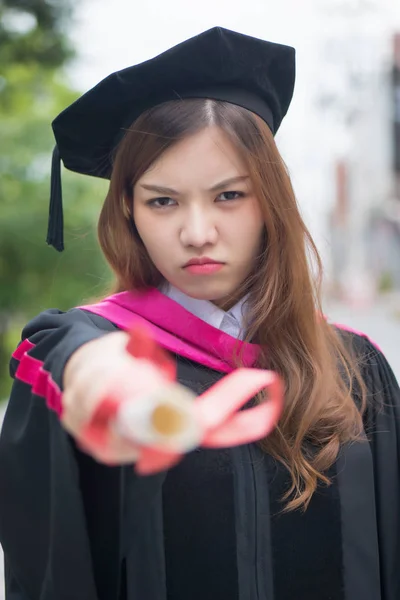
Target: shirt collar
[230, 321]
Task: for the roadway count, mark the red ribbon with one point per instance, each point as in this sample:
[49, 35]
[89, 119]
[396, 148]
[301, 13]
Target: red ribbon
[217, 410]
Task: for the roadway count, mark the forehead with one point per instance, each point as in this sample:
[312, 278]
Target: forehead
[208, 153]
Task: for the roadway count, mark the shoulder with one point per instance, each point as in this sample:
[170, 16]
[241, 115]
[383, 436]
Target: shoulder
[376, 372]
[355, 339]
[53, 318]
[52, 336]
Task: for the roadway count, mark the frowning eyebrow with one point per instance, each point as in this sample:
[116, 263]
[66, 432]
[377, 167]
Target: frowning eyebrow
[226, 182]
[160, 189]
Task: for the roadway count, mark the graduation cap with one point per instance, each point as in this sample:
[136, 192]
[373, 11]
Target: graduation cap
[219, 64]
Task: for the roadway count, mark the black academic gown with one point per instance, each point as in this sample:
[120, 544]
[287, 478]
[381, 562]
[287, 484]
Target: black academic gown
[212, 527]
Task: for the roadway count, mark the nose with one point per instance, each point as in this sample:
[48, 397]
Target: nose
[199, 228]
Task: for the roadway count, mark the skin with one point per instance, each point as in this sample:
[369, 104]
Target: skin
[183, 209]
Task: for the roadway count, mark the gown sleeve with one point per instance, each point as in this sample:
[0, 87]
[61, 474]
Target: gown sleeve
[382, 423]
[60, 510]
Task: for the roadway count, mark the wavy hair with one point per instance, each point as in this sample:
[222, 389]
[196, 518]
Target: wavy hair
[285, 315]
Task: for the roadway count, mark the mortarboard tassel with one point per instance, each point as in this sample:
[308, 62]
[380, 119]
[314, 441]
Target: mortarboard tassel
[55, 230]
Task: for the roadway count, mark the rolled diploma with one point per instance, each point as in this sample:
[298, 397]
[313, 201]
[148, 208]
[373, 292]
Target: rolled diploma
[165, 419]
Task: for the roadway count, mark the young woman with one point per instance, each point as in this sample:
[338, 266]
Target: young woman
[202, 230]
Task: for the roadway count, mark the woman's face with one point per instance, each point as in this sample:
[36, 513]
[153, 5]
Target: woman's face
[196, 205]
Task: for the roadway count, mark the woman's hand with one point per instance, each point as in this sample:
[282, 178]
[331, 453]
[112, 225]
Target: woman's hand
[99, 369]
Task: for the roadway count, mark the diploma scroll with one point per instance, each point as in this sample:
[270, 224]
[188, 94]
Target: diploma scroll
[171, 421]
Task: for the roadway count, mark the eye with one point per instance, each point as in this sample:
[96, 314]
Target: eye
[226, 196]
[163, 202]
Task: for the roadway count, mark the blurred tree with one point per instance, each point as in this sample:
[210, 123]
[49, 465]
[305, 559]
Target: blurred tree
[33, 49]
[33, 32]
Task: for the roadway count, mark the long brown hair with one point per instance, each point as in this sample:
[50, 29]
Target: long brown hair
[285, 315]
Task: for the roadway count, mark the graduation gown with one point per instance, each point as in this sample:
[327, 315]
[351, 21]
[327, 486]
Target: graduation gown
[210, 528]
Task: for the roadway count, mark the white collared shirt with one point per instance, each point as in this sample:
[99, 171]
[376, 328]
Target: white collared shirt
[230, 322]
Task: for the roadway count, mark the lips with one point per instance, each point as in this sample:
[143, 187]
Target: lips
[203, 266]
[202, 261]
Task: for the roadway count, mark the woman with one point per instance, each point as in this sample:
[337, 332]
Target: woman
[201, 228]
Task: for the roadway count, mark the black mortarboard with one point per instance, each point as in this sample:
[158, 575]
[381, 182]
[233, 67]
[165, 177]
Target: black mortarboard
[219, 64]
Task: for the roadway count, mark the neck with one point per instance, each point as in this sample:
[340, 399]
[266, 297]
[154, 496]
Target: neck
[229, 301]
[226, 304]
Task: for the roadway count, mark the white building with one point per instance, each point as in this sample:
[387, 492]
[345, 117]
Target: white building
[346, 124]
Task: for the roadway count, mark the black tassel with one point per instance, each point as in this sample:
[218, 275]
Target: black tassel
[55, 230]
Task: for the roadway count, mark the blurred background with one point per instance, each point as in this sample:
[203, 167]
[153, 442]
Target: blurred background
[341, 142]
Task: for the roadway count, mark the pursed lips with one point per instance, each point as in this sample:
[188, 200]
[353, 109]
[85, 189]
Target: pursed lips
[203, 266]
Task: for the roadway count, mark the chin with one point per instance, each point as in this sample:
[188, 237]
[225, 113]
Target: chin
[213, 293]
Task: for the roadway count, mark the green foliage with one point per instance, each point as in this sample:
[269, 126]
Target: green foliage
[33, 32]
[386, 282]
[34, 276]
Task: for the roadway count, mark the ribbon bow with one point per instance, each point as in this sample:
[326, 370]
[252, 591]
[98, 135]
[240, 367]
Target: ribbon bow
[167, 424]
